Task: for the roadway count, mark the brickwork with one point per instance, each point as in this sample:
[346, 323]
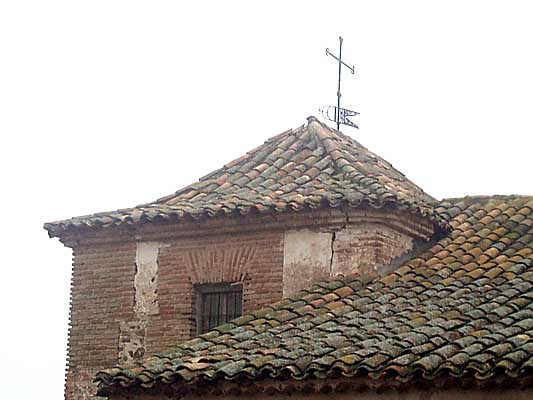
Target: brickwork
[110, 326]
[133, 290]
[102, 297]
[260, 273]
[365, 248]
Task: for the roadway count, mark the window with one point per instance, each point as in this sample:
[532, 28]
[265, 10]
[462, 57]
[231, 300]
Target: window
[217, 304]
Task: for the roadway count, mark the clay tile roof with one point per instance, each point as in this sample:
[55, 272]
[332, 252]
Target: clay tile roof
[461, 310]
[308, 167]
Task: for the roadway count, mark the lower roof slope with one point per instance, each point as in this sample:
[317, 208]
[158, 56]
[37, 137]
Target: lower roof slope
[462, 310]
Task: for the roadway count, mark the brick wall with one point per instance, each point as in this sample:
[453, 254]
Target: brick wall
[101, 296]
[105, 319]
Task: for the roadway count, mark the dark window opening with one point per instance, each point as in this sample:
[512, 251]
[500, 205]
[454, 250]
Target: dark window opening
[217, 304]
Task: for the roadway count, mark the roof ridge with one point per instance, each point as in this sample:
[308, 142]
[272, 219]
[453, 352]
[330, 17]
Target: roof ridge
[350, 141]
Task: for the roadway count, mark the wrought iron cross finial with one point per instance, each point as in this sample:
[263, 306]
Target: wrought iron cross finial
[339, 59]
[341, 114]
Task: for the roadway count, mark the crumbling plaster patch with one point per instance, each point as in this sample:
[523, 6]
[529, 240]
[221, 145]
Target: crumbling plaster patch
[146, 260]
[131, 342]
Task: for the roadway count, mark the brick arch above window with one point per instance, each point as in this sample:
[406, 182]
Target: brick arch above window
[219, 265]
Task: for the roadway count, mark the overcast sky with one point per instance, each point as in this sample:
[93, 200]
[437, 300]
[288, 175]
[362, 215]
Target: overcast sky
[108, 104]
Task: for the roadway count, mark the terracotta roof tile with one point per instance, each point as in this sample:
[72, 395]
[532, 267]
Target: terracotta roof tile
[440, 314]
[309, 167]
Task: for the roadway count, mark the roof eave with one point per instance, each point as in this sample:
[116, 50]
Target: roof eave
[93, 222]
[333, 384]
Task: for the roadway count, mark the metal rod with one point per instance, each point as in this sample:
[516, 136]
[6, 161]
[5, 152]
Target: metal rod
[339, 85]
[340, 114]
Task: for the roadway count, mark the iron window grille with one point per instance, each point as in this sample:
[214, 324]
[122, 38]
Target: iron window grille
[217, 304]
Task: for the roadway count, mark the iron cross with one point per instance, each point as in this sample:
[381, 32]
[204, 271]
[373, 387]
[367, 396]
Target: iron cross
[341, 114]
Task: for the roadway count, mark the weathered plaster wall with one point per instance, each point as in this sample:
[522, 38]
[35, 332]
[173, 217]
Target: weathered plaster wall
[310, 256]
[306, 259]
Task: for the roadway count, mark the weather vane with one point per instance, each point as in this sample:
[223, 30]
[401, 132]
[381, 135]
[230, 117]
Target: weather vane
[340, 115]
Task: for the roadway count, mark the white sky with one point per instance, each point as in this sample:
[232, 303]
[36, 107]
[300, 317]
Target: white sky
[108, 104]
